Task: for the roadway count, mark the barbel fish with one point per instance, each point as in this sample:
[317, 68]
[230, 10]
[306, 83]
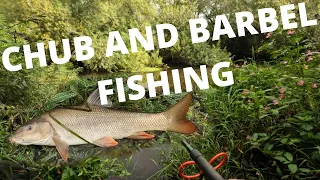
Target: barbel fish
[100, 125]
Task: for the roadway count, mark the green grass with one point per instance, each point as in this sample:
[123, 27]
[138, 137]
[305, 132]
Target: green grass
[268, 121]
[263, 139]
[258, 135]
[43, 162]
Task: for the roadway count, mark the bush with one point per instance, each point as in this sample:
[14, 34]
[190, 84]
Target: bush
[291, 147]
[268, 121]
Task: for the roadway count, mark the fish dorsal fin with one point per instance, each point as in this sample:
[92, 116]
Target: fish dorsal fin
[94, 99]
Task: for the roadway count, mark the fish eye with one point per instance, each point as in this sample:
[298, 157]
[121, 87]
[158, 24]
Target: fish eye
[29, 127]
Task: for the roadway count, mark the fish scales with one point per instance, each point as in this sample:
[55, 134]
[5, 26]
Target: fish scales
[101, 122]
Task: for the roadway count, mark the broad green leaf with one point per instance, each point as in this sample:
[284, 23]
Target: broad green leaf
[255, 137]
[281, 159]
[263, 115]
[263, 134]
[305, 170]
[279, 171]
[307, 127]
[268, 147]
[275, 111]
[288, 156]
[285, 177]
[284, 140]
[293, 168]
[282, 107]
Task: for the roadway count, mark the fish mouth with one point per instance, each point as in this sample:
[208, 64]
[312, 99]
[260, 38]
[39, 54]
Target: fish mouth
[16, 141]
[11, 140]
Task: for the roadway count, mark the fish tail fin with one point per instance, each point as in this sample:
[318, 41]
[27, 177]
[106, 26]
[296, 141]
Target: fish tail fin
[178, 114]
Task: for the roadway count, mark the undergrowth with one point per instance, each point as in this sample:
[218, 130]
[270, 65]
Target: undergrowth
[267, 122]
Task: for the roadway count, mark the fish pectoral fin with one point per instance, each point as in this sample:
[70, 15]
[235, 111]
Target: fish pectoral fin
[107, 141]
[61, 146]
[141, 135]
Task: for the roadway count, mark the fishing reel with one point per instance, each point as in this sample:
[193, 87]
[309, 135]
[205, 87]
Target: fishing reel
[207, 170]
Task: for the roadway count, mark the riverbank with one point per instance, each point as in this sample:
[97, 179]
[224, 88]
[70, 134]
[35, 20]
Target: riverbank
[263, 118]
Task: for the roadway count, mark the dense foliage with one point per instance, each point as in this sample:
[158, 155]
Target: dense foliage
[56, 20]
[267, 122]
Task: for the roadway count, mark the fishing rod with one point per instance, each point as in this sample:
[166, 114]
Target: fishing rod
[207, 170]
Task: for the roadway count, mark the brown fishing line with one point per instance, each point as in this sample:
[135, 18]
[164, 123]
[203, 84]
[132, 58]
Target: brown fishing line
[68, 129]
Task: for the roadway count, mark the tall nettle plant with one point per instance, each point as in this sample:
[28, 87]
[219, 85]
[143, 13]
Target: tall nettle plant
[292, 144]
